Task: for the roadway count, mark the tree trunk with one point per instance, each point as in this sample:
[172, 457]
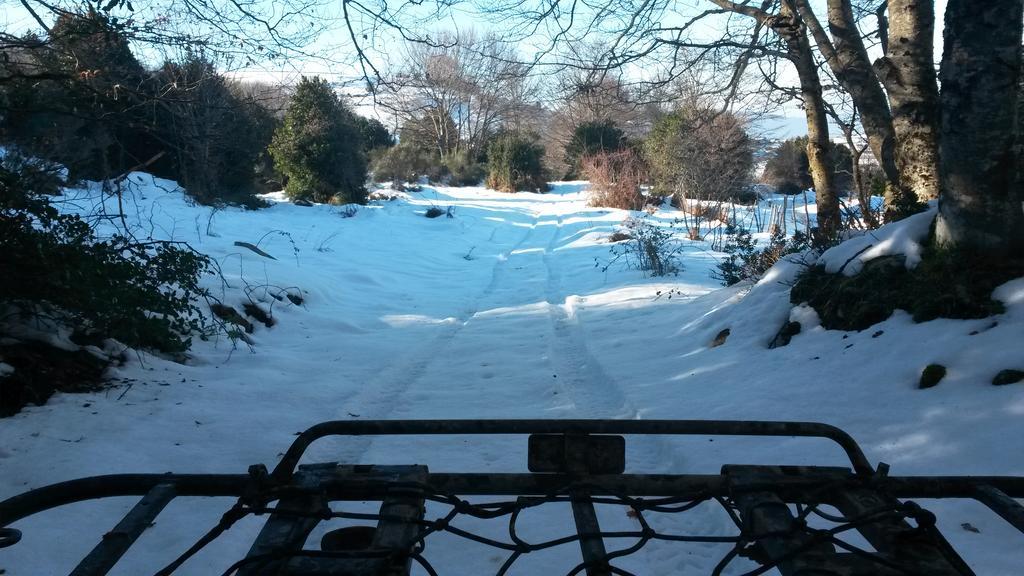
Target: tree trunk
[982, 204]
[792, 29]
[848, 59]
[908, 73]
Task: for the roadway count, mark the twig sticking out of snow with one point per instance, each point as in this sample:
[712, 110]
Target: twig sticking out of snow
[254, 248]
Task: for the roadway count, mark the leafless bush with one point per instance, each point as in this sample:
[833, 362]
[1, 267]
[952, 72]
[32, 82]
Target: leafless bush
[649, 247]
[615, 179]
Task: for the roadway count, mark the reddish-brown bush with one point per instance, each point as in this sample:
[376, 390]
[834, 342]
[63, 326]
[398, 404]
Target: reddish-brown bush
[615, 179]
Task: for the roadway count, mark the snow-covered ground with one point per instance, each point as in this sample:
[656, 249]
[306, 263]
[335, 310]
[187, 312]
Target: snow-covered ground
[501, 312]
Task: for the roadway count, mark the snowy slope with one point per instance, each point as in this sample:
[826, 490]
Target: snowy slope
[500, 312]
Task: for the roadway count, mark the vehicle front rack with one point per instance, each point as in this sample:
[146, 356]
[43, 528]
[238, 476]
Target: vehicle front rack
[581, 462]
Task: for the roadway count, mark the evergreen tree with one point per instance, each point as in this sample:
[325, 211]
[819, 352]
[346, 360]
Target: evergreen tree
[514, 163]
[592, 138]
[318, 147]
[700, 154]
[86, 111]
[375, 135]
[215, 136]
[788, 169]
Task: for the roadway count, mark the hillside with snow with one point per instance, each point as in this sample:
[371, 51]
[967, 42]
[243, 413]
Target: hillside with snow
[507, 309]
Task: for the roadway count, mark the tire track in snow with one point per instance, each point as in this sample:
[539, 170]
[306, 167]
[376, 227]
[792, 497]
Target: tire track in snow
[381, 395]
[593, 393]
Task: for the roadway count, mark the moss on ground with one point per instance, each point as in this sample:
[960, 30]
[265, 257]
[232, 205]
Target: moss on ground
[946, 284]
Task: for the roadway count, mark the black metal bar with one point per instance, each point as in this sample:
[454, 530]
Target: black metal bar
[399, 525]
[591, 543]
[779, 539]
[947, 486]
[287, 529]
[287, 465]
[54, 495]
[690, 485]
[1000, 503]
[116, 542]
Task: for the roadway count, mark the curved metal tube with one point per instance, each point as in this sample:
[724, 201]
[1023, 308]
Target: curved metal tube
[286, 467]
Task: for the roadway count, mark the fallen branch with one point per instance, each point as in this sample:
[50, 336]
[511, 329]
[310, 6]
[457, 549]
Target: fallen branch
[254, 248]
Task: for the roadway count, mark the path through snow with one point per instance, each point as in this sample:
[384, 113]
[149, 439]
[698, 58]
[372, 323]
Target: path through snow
[500, 312]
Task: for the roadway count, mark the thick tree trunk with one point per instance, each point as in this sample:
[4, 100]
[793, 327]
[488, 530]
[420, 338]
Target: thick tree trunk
[908, 73]
[849, 62]
[792, 29]
[982, 204]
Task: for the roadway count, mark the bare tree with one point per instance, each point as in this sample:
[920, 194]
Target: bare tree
[467, 84]
[791, 29]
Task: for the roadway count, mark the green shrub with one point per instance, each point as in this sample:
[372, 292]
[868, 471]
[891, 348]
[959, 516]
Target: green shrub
[462, 169]
[142, 293]
[589, 139]
[215, 137]
[401, 164]
[318, 146]
[947, 283]
[699, 154]
[514, 163]
[87, 109]
[374, 134]
[100, 113]
[745, 262]
[788, 170]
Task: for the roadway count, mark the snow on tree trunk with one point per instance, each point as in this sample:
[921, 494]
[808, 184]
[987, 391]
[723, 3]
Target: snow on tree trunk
[982, 204]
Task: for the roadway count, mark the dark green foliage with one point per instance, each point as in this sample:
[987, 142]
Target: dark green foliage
[788, 170]
[216, 137]
[100, 113]
[591, 138]
[318, 146]
[374, 134]
[514, 163]
[462, 169]
[1008, 376]
[401, 164]
[85, 112]
[746, 262]
[699, 154]
[140, 293]
[931, 376]
[946, 284]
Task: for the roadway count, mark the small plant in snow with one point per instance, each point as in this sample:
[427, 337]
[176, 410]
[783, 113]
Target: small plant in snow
[650, 247]
[436, 211]
[746, 262]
